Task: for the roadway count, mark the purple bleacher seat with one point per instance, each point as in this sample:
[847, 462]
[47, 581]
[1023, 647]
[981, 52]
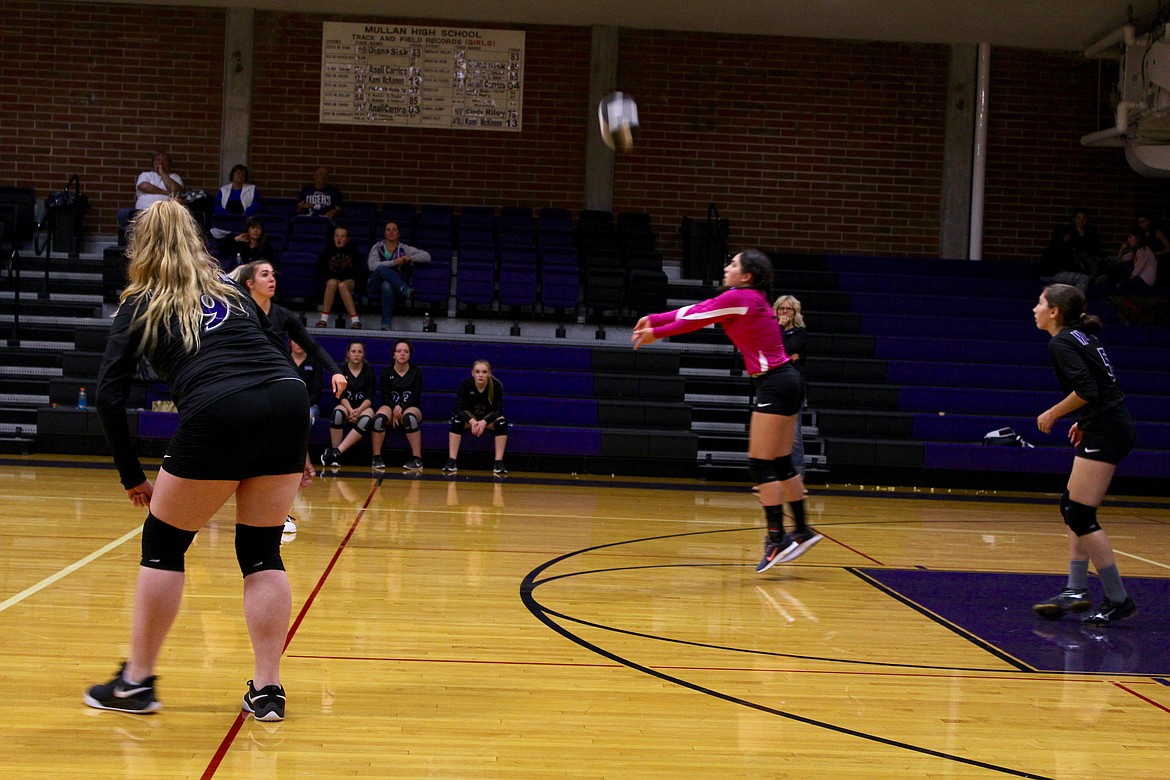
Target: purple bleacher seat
[284, 207]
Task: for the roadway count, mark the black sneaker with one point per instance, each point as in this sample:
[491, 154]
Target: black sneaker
[1068, 600]
[377, 463]
[414, 464]
[266, 703]
[331, 457]
[450, 467]
[1109, 612]
[774, 552]
[117, 694]
[499, 469]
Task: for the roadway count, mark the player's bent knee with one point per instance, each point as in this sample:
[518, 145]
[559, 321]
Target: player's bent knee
[762, 471]
[258, 549]
[410, 423]
[458, 425]
[1081, 518]
[380, 421]
[499, 427]
[163, 545]
[337, 421]
[364, 424]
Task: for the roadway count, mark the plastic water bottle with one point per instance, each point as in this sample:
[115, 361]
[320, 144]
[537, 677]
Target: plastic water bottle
[428, 323]
[82, 402]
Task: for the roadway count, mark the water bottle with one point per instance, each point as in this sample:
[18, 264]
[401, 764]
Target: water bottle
[82, 403]
[428, 323]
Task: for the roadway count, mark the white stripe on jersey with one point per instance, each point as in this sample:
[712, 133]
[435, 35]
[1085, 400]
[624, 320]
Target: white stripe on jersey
[684, 313]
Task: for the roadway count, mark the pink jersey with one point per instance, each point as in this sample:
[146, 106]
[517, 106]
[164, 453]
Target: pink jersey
[747, 319]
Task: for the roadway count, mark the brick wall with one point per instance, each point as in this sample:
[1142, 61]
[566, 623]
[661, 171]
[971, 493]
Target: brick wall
[90, 89]
[805, 145]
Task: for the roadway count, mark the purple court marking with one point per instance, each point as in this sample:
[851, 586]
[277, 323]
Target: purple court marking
[996, 610]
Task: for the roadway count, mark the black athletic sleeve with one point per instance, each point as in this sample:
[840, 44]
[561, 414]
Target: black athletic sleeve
[461, 399]
[1071, 369]
[113, 388]
[794, 343]
[416, 387]
[297, 332]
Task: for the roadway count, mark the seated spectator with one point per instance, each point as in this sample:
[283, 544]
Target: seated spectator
[319, 198]
[479, 407]
[1145, 266]
[402, 384]
[1073, 255]
[1155, 239]
[337, 273]
[246, 247]
[311, 374]
[159, 183]
[354, 407]
[238, 196]
[391, 265]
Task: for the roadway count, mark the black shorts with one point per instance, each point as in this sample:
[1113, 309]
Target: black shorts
[253, 433]
[1108, 437]
[779, 391]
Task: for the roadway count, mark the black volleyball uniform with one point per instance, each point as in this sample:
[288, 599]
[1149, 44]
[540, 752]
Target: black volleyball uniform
[472, 404]
[361, 387]
[1082, 367]
[795, 340]
[311, 375]
[238, 352]
[404, 391]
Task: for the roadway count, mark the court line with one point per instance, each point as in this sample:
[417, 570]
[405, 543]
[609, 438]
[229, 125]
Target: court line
[237, 724]
[1140, 558]
[1147, 700]
[47, 581]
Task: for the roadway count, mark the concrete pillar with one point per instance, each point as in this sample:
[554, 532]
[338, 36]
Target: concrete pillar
[236, 131]
[958, 153]
[598, 157]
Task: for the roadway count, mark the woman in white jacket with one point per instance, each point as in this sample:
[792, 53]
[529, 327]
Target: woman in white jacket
[238, 196]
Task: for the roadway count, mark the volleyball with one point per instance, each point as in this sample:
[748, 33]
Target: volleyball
[617, 113]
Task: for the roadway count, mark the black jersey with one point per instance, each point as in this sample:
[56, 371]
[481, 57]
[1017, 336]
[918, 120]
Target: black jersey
[473, 404]
[1082, 367]
[795, 339]
[311, 375]
[287, 323]
[361, 387]
[339, 262]
[404, 391]
[238, 349]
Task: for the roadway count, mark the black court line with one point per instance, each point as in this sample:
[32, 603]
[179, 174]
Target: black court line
[532, 580]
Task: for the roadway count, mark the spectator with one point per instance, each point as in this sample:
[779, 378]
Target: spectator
[1155, 239]
[391, 265]
[1145, 265]
[159, 183]
[247, 247]
[310, 374]
[1073, 255]
[791, 321]
[238, 196]
[402, 384]
[338, 275]
[353, 407]
[479, 407]
[320, 198]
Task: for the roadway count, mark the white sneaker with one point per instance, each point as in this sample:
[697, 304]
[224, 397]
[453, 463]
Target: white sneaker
[289, 526]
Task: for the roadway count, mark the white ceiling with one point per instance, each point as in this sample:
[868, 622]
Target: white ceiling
[1036, 24]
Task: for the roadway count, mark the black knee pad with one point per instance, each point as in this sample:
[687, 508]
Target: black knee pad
[499, 427]
[1064, 502]
[163, 545]
[762, 471]
[380, 421]
[364, 424]
[458, 424]
[258, 549]
[337, 420]
[1081, 519]
[410, 423]
[784, 468]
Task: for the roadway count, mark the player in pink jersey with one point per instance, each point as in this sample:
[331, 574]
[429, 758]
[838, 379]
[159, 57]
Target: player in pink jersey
[747, 318]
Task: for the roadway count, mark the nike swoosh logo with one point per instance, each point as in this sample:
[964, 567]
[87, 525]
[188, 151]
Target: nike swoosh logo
[126, 693]
[166, 456]
[763, 406]
[1089, 450]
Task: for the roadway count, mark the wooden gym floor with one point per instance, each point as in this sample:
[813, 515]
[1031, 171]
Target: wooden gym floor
[570, 626]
